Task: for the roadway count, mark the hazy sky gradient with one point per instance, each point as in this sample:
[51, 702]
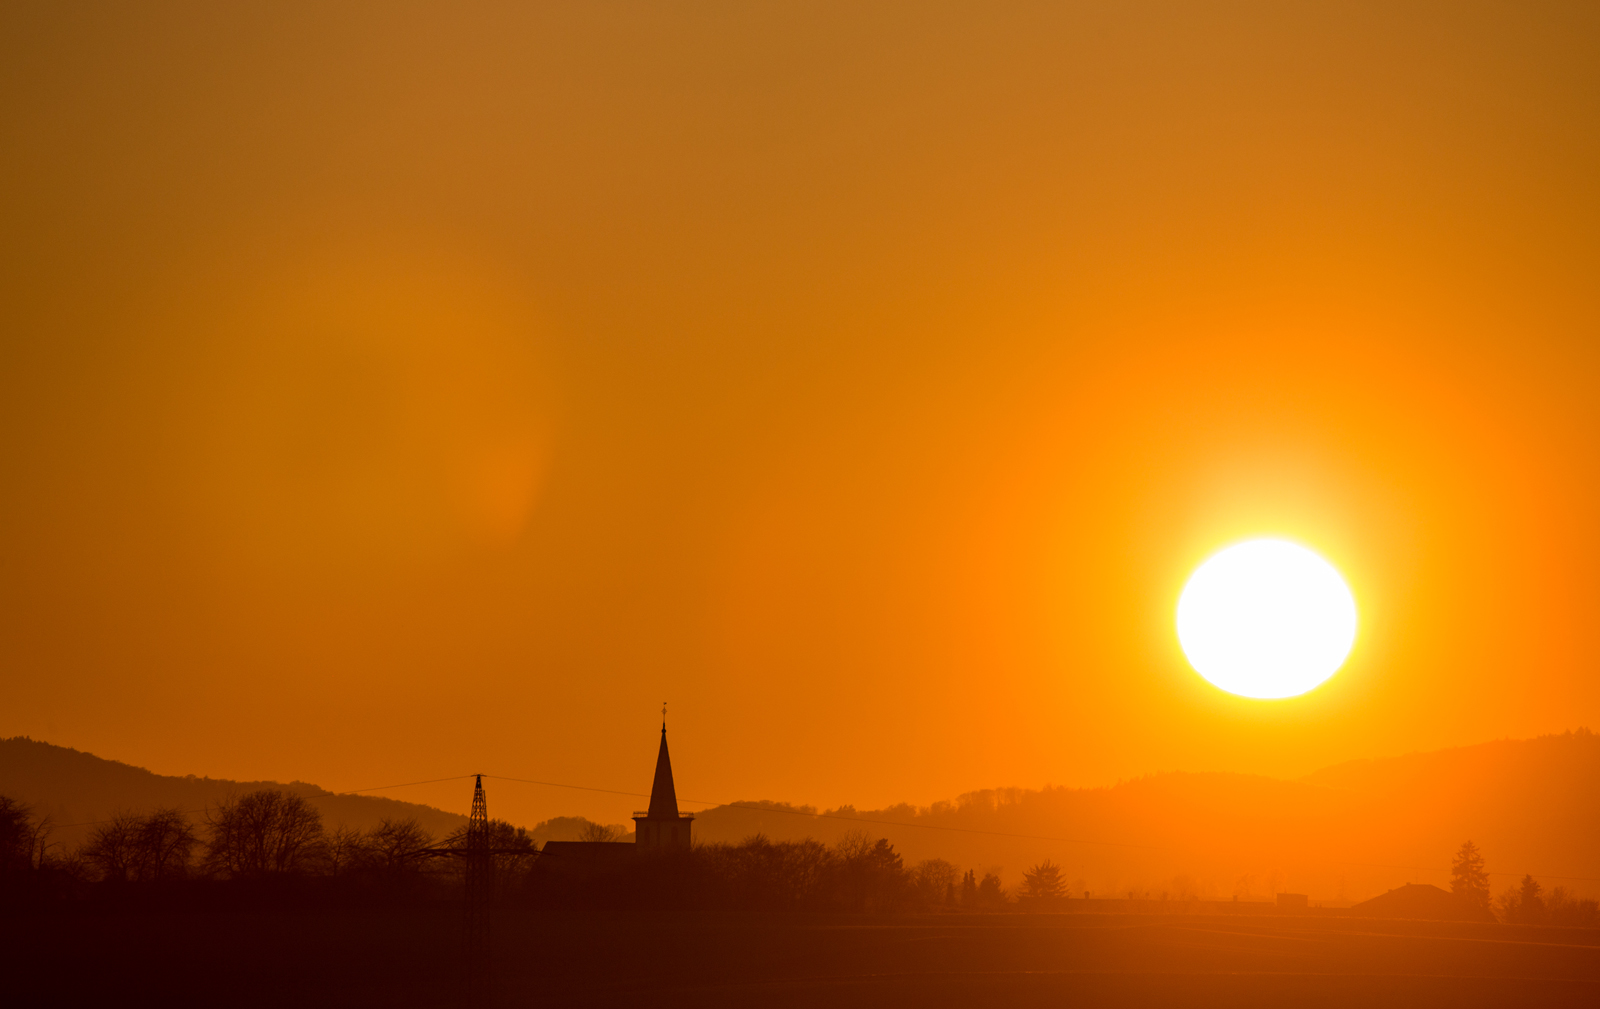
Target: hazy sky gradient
[399, 390]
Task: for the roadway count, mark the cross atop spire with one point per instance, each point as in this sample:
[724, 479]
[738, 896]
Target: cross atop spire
[663, 828]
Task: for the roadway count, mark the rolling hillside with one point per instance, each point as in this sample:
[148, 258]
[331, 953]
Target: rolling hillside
[74, 788]
[1341, 834]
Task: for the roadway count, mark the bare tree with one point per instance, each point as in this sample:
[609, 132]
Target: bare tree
[1564, 908]
[113, 847]
[130, 847]
[23, 839]
[344, 849]
[40, 832]
[165, 844]
[394, 845]
[935, 880]
[602, 833]
[266, 831]
[867, 875]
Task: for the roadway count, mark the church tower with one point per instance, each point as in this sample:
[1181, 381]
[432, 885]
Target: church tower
[662, 828]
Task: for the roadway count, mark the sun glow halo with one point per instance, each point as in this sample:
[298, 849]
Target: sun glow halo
[1266, 619]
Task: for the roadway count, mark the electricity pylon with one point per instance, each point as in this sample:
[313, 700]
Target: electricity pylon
[479, 898]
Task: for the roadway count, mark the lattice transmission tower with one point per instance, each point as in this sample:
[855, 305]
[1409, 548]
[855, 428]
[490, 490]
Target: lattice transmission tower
[479, 897]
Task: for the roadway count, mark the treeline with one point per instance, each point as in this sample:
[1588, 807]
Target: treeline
[857, 873]
[1528, 904]
[1523, 904]
[271, 842]
[263, 837]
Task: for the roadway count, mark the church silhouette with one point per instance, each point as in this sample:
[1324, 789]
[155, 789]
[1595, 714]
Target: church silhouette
[662, 827]
[659, 830]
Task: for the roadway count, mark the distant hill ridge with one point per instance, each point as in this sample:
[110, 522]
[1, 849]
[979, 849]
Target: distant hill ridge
[1341, 834]
[74, 788]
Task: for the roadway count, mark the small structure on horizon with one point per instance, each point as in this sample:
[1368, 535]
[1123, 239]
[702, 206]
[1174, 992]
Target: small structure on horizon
[1293, 902]
[1421, 900]
[662, 827]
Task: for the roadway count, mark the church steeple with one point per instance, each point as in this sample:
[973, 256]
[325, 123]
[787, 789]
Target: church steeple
[662, 827]
[663, 797]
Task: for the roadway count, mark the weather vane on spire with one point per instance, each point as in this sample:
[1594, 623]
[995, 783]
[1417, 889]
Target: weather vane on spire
[663, 716]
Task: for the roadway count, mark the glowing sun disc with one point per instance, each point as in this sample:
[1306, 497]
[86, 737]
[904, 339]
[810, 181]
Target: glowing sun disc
[1266, 619]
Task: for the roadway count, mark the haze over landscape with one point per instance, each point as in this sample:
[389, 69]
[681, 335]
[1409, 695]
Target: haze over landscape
[396, 393]
[1341, 834]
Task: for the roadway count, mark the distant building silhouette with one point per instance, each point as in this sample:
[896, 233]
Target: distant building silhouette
[1421, 900]
[662, 828]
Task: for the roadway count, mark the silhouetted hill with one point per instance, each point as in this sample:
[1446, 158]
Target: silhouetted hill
[1534, 804]
[1342, 834]
[73, 788]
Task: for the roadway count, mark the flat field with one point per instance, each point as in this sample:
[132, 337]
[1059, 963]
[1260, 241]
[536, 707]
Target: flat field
[417, 958]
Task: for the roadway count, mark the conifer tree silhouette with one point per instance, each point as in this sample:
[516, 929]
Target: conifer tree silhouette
[1468, 879]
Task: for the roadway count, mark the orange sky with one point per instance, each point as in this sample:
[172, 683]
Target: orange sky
[393, 391]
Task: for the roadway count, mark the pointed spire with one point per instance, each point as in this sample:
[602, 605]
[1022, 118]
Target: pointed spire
[663, 796]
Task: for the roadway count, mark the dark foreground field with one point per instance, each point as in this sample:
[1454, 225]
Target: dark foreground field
[415, 958]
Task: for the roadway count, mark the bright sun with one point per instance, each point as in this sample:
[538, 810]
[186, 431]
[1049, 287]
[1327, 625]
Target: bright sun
[1266, 618]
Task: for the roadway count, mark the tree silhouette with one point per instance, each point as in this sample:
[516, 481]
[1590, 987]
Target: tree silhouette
[165, 844]
[266, 831]
[1468, 879]
[969, 889]
[1042, 883]
[113, 848]
[867, 875]
[602, 833]
[18, 836]
[132, 848]
[1563, 908]
[392, 846]
[1530, 903]
[344, 850]
[989, 893]
[935, 880]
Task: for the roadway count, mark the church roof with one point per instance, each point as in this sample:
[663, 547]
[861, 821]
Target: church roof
[663, 796]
